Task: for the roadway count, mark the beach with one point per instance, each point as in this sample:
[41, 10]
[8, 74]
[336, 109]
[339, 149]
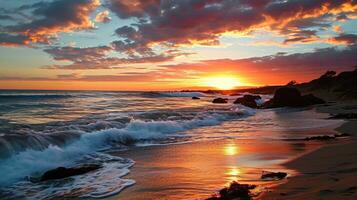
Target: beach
[154, 145]
[327, 173]
[198, 170]
[317, 169]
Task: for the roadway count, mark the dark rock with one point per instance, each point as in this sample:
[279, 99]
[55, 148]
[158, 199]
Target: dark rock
[248, 100]
[235, 191]
[220, 100]
[311, 99]
[327, 137]
[63, 172]
[320, 137]
[344, 116]
[196, 98]
[273, 175]
[291, 97]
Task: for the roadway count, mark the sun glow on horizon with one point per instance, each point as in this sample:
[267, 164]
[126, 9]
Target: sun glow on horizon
[222, 82]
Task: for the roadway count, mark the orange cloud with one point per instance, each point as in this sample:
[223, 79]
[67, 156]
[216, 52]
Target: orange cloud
[103, 17]
[50, 18]
[343, 39]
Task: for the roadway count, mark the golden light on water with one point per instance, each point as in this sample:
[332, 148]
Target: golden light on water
[222, 82]
[230, 149]
[233, 173]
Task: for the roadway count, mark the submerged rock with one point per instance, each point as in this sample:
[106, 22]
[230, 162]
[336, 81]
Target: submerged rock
[273, 175]
[291, 97]
[63, 172]
[196, 98]
[220, 100]
[248, 100]
[234, 191]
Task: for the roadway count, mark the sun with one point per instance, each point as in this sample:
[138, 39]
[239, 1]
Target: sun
[222, 82]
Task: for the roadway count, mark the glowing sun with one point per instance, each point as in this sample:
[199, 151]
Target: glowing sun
[222, 82]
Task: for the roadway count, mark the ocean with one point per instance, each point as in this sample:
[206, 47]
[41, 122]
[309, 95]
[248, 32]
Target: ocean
[43, 130]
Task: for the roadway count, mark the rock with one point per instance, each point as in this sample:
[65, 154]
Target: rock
[344, 116]
[273, 175]
[220, 100]
[320, 137]
[234, 191]
[291, 97]
[311, 99]
[248, 100]
[196, 98]
[63, 172]
[327, 137]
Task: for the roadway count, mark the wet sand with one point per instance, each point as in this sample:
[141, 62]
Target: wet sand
[197, 170]
[329, 172]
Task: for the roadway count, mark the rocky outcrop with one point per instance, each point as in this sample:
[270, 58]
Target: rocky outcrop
[291, 97]
[273, 175]
[327, 137]
[196, 98]
[248, 100]
[234, 191]
[63, 172]
[220, 100]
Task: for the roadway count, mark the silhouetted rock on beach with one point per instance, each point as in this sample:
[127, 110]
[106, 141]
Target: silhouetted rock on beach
[196, 98]
[220, 100]
[63, 172]
[291, 97]
[327, 137]
[273, 175]
[248, 100]
[234, 191]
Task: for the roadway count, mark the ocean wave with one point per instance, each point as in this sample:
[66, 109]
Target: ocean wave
[106, 181]
[32, 96]
[39, 160]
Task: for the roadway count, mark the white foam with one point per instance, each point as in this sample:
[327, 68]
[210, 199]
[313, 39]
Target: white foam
[31, 161]
[101, 183]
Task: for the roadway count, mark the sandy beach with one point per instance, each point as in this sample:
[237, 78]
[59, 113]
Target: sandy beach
[327, 173]
[198, 170]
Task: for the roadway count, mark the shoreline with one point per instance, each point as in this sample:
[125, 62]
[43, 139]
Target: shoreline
[319, 176]
[160, 175]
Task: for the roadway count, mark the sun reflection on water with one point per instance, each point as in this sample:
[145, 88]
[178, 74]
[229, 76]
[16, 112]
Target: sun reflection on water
[230, 149]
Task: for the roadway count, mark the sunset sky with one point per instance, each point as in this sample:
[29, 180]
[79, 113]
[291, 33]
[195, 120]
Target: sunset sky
[172, 44]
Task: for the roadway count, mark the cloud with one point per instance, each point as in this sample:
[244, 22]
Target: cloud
[78, 55]
[276, 69]
[337, 29]
[48, 19]
[13, 39]
[343, 39]
[172, 24]
[103, 17]
[97, 58]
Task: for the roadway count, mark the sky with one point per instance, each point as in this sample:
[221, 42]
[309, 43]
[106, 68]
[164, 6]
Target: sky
[172, 44]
